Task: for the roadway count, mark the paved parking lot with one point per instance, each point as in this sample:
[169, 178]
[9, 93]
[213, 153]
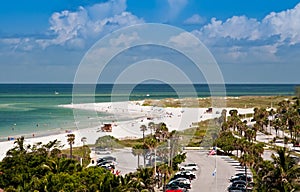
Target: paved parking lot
[127, 162]
[225, 168]
[206, 179]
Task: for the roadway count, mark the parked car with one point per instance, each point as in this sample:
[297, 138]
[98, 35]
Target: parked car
[174, 188]
[240, 174]
[108, 166]
[185, 174]
[157, 159]
[106, 158]
[241, 177]
[179, 183]
[189, 167]
[100, 151]
[183, 180]
[108, 162]
[236, 188]
[239, 182]
[240, 186]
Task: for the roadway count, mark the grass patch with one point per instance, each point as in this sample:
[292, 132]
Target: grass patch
[130, 142]
[234, 102]
[193, 137]
[83, 152]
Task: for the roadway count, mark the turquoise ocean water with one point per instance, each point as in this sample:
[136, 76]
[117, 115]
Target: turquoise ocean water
[33, 108]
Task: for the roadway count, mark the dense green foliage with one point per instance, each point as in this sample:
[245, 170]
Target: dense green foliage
[45, 168]
[108, 141]
[282, 172]
[40, 168]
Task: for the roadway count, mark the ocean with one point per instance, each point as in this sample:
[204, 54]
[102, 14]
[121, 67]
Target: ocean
[27, 109]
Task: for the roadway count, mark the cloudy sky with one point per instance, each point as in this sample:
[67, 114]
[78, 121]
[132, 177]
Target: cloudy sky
[254, 41]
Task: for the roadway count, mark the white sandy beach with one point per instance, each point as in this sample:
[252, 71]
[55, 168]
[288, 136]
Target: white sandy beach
[174, 118]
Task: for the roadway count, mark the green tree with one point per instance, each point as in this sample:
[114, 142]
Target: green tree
[234, 119]
[138, 150]
[143, 128]
[282, 176]
[162, 132]
[71, 141]
[151, 127]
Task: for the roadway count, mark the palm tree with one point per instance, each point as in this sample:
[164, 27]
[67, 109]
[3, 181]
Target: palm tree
[261, 117]
[271, 113]
[225, 126]
[222, 118]
[138, 150]
[83, 140]
[234, 119]
[277, 124]
[255, 128]
[145, 176]
[249, 134]
[246, 160]
[143, 128]
[262, 169]
[151, 143]
[285, 171]
[71, 141]
[130, 182]
[59, 165]
[165, 170]
[162, 132]
[151, 126]
[242, 127]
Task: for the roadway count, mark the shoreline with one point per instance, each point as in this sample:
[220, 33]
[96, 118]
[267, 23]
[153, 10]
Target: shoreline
[175, 118]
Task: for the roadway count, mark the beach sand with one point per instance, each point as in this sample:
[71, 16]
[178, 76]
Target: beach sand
[127, 119]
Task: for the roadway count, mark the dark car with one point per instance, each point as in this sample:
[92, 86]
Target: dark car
[238, 174]
[241, 177]
[239, 182]
[106, 158]
[175, 188]
[185, 174]
[240, 186]
[178, 185]
[107, 162]
[237, 186]
[181, 182]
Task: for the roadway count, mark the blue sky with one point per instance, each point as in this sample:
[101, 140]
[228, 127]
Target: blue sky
[254, 41]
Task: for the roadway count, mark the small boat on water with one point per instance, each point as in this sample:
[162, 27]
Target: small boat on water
[56, 93]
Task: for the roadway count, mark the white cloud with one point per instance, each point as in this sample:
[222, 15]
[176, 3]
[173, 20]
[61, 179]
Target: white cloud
[248, 40]
[125, 40]
[237, 27]
[76, 29]
[194, 20]
[90, 22]
[10, 40]
[176, 6]
[285, 24]
[185, 40]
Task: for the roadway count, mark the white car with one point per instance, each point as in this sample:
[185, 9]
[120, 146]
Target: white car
[189, 167]
[100, 151]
